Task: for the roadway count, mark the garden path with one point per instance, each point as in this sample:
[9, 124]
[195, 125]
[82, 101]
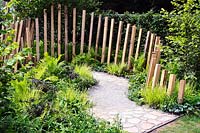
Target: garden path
[110, 102]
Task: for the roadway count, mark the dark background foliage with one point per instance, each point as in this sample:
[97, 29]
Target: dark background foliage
[136, 5]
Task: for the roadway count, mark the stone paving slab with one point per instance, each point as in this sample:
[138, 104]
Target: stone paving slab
[110, 101]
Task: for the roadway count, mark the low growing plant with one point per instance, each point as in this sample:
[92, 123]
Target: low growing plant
[116, 69]
[154, 97]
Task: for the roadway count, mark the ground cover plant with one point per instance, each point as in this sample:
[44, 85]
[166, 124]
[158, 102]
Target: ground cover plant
[40, 100]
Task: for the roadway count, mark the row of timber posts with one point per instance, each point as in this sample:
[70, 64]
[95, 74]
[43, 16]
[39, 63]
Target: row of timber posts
[32, 29]
[154, 71]
[26, 30]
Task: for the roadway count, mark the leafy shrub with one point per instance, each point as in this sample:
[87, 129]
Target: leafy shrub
[86, 78]
[136, 83]
[138, 64]
[39, 104]
[184, 26]
[26, 8]
[116, 69]
[154, 97]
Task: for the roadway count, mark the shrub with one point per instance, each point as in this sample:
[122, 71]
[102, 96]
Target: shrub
[154, 97]
[41, 105]
[136, 83]
[86, 79]
[184, 38]
[116, 69]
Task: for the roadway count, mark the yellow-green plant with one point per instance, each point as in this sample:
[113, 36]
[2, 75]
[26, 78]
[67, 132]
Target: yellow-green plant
[84, 72]
[117, 69]
[154, 97]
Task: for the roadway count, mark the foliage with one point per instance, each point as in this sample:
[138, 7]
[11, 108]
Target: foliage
[42, 101]
[26, 8]
[150, 20]
[184, 26]
[116, 69]
[138, 64]
[190, 105]
[136, 83]
[154, 97]
[84, 72]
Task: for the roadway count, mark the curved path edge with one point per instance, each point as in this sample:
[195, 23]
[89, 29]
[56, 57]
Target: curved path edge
[110, 101]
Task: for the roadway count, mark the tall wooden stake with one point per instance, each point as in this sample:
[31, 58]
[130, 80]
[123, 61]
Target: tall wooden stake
[59, 29]
[104, 40]
[131, 46]
[119, 36]
[138, 44]
[156, 75]
[150, 49]
[52, 30]
[125, 43]
[98, 34]
[110, 40]
[45, 31]
[151, 69]
[37, 39]
[91, 31]
[83, 31]
[74, 33]
[147, 42]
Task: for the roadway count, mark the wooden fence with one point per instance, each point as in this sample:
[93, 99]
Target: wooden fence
[26, 31]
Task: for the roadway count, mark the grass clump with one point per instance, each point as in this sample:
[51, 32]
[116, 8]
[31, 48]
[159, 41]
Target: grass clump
[154, 97]
[116, 69]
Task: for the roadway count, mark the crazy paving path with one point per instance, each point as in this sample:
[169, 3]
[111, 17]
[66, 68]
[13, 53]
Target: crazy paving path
[110, 101]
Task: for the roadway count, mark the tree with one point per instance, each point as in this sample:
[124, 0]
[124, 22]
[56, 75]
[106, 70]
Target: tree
[184, 37]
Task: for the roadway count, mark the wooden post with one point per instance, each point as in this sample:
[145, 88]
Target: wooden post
[151, 68]
[138, 44]
[22, 42]
[158, 53]
[104, 40]
[52, 30]
[16, 31]
[147, 42]
[181, 91]
[98, 34]
[131, 46]
[125, 43]
[150, 50]
[91, 31]
[66, 32]
[45, 31]
[74, 33]
[163, 79]
[28, 40]
[20, 32]
[171, 85]
[157, 43]
[2, 35]
[119, 36]
[156, 75]
[110, 40]
[59, 29]
[83, 31]
[32, 33]
[37, 40]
